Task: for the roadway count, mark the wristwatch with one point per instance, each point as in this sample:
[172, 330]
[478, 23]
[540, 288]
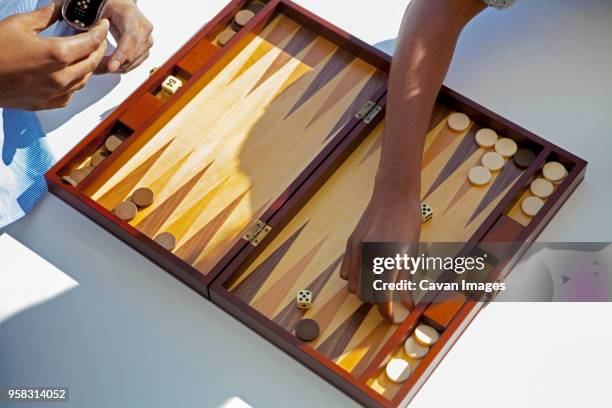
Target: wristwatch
[82, 15]
[499, 4]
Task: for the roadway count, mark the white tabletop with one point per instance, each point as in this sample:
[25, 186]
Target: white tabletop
[79, 308]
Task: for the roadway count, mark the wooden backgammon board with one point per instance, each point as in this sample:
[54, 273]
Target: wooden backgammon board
[256, 146]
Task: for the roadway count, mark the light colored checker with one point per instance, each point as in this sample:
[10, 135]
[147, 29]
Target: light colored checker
[70, 181]
[541, 188]
[413, 349]
[480, 176]
[426, 335]
[486, 138]
[225, 36]
[398, 370]
[112, 143]
[493, 161]
[166, 240]
[79, 175]
[506, 147]
[459, 122]
[97, 158]
[532, 205]
[554, 172]
[243, 17]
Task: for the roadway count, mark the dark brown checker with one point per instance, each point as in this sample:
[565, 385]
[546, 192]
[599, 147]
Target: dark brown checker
[524, 158]
[307, 330]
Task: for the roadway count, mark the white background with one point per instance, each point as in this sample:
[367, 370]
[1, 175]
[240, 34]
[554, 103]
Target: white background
[81, 309]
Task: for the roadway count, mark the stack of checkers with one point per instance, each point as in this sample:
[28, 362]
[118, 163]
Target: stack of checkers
[499, 150]
[541, 188]
[415, 348]
[111, 144]
[242, 18]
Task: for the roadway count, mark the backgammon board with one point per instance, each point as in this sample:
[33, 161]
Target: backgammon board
[259, 141]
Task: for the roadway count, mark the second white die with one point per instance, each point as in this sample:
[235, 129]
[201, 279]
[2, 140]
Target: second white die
[304, 299]
[171, 85]
[426, 213]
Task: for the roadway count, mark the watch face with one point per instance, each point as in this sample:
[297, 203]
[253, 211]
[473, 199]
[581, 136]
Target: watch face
[83, 13]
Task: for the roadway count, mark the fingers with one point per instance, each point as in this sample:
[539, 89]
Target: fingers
[127, 42]
[82, 69]
[133, 43]
[352, 279]
[386, 310]
[348, 266]
[138, 60]
[103, 67]
[66, 51]
[66, 81]
[43, 17]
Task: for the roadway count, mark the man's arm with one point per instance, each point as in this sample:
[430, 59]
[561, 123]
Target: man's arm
[426, 44]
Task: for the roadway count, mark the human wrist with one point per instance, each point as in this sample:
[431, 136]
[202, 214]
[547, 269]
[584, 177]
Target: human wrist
[389, 191]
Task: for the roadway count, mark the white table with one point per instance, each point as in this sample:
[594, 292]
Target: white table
[79, 308]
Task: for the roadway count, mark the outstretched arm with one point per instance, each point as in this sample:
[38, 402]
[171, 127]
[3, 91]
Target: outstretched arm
[427, 40]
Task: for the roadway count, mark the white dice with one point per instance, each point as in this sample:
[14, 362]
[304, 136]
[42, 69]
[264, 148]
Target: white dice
[171, 85]
[304, 299]
[426, 213]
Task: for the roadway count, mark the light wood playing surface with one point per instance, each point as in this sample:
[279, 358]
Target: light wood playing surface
[242, 139]
[307, 252]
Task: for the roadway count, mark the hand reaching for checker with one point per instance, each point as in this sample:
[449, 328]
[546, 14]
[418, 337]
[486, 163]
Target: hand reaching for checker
[39, 73]
[389, 217]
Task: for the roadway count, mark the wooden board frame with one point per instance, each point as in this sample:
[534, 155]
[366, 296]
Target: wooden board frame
[141, 109]
[194, 61]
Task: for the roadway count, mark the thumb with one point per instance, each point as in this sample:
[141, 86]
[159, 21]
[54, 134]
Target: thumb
[43, 17]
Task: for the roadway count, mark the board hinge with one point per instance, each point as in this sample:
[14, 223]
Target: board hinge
[363, 112]
[257, 232]
[373, 113]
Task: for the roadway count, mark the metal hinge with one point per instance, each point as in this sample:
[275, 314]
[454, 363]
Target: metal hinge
[363, 112]
[368, 112]
[257, 232]
[373, 113]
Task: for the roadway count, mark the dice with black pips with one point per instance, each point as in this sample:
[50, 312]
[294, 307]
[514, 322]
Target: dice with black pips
[304, 299]
[171, 85]
[426, 213]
